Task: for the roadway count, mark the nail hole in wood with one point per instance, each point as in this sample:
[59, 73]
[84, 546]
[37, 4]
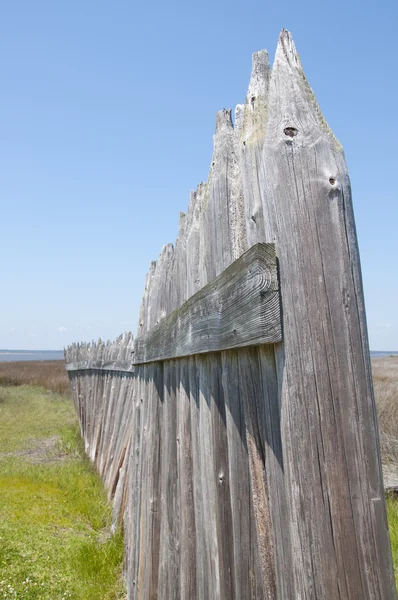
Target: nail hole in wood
[290, 131]
[332, 181]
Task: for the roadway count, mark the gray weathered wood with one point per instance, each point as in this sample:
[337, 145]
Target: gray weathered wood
[102, 365]
[239, 308]
[250, 473]
[336, 510]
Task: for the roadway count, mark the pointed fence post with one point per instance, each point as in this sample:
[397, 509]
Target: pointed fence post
[336, 509]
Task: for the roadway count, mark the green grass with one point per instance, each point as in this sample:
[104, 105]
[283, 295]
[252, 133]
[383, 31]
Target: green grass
[392, 514]
[55, 539]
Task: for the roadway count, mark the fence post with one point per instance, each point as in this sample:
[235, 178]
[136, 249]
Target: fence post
[336, 509]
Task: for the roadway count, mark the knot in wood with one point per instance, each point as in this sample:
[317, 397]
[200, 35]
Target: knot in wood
[290, 131]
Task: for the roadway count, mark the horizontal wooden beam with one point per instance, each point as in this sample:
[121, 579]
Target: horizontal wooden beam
[100, 365]
[241, 307]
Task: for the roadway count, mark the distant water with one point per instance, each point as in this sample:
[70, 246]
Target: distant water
[18, 355]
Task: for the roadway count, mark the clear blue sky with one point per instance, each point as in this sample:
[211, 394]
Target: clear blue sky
[107, 111]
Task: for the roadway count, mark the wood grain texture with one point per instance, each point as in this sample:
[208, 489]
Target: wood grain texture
[250, 122]
[250, 473]
[101, 365]
[103, 403]
[329, 429]
[239, 308]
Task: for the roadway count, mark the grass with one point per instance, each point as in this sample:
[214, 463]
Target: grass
[55, 536]
[49, 374]
[392, 515]
[385, 381]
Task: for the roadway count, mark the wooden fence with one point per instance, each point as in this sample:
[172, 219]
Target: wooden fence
[237, 434]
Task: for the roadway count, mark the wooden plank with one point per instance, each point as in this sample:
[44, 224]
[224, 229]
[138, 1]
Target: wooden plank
[134, 491]
[150, 494]
[269, 414]
[223, 508]
[101, 365]
[202, 580]
[169, 547]
[239, 308]
[252, 395]
[185, 485]
[222, 220]
[250, 123]
[328, 417]
[207, 484]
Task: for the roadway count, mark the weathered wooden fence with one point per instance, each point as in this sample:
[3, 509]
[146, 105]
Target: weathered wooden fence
[238, 434]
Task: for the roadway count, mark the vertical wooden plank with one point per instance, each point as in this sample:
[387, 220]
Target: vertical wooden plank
[264, 579]
[269, 411]
[133, 503]
[150, 494]
[185, 485]
[222, 226]
[176, 291]
[209, 541]
[202, 580]
[97, 413]
[119, 496]
[250, 122]
[143, 316]
[223, 508]
[119, 500]
[119, 434]
[111, 400]
[193, 239]
[169, 556]
[239, 480]
[329, 430]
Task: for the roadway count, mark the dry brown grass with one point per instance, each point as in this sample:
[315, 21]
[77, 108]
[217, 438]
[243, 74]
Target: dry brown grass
[49, 374]
[385, 381]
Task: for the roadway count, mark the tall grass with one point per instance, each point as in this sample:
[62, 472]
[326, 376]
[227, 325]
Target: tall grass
[49, 374]
[385, 381]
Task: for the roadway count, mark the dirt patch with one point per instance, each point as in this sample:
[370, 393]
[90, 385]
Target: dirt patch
[42, 451]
